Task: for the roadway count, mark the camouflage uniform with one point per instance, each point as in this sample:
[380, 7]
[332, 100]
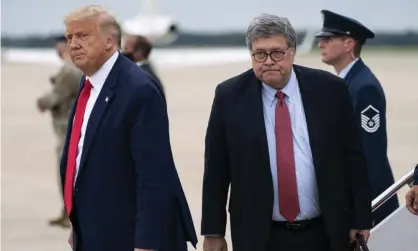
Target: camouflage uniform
[59, 101]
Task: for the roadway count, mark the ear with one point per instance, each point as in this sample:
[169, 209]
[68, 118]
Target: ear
[109, 43]
[349, 44]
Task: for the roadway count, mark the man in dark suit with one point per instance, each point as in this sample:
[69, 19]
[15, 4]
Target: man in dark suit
[121, 188]
[412, 195]
[138, 49]
[341, 41]
[283, 137]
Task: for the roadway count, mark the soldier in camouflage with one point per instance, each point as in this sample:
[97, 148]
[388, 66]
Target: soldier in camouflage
[65, 85]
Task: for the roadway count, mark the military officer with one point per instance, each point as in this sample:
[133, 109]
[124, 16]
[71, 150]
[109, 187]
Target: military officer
[65, 85]
[340, 42]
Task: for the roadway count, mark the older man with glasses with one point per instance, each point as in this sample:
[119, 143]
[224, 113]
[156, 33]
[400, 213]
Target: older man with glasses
[283, 138]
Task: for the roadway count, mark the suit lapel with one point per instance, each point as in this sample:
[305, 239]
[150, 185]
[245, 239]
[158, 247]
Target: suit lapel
[251, 117]
[99, 109]
[312, 104]
[354, 71]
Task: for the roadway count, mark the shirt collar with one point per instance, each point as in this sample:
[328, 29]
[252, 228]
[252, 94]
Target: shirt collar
[140, 63]
[289, 89]
[345, 71]
[97, 79]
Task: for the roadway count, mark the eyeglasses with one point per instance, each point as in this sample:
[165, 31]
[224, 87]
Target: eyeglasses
[276, 56]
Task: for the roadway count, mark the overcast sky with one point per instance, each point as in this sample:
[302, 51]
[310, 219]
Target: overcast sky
[21, 17]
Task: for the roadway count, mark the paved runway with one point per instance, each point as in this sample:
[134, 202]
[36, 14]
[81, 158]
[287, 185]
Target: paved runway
[29, 173]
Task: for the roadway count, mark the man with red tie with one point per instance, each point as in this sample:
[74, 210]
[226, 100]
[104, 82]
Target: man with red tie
[283, 138]
[121, 188]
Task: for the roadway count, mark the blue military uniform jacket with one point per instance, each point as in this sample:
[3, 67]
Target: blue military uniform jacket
[370, 106]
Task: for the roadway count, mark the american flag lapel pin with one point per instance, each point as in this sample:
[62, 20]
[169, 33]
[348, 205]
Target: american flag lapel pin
[107, 99]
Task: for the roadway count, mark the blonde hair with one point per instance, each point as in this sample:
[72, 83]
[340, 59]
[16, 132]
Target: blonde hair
[106, 20]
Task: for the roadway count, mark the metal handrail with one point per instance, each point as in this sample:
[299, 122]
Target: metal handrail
[393, 189]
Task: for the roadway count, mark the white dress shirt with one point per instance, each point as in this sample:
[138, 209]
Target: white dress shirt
[97, 80]
[345, 71]
[305, 172]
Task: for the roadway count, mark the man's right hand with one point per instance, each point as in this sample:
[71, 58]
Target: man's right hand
[412, 200]
[40, 106]
[212, 243]
[70, 239]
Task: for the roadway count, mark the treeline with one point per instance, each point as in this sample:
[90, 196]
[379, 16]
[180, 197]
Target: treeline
[213, 40]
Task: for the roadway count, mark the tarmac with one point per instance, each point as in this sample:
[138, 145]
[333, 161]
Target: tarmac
[30, 191]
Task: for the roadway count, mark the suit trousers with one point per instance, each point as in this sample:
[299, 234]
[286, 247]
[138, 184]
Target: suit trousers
[311, 237]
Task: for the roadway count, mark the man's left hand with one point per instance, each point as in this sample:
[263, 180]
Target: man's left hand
[365, 233]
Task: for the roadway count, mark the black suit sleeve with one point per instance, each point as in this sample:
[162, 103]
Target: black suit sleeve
[416, 176]
[356, 171]
[216, 177]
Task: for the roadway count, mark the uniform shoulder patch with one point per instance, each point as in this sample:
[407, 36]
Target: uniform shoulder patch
[370, 119]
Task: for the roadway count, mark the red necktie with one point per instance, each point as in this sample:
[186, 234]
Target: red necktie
[286, 174]
[72, 149]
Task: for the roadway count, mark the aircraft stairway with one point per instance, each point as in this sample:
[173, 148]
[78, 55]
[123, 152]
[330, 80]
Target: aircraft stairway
[399, 231]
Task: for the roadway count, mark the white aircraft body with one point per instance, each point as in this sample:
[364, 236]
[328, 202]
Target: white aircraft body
[158, 28]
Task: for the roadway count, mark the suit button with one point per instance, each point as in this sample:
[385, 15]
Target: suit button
[76, 190]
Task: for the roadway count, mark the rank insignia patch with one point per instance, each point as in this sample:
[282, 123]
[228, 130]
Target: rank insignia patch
[370, 119]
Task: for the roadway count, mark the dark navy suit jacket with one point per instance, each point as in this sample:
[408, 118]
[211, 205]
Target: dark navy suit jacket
[370, 107]
[128, 194]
